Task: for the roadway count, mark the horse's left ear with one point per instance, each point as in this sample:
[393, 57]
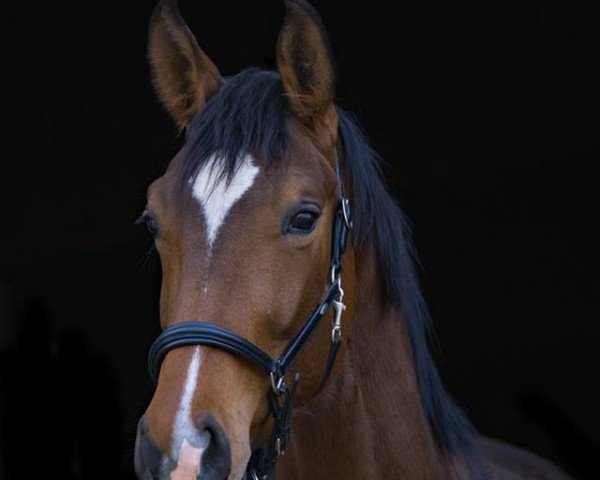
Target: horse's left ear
[305, 64]
[183, 75]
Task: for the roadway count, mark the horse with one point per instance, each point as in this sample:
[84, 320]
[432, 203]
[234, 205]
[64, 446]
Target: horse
[293, 320]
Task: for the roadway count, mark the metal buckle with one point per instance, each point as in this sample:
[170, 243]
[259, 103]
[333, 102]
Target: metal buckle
[339, 307]
[346, 213]
[278, 384]
[336, 331]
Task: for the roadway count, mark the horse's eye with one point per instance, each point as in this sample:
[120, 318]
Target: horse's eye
[303, 222]
[151, 225]
[148, 219]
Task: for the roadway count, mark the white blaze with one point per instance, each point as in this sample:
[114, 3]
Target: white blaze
[217, 196]
[184, 428]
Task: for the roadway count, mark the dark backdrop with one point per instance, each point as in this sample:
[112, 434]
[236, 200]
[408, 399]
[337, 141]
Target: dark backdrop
[487, 114]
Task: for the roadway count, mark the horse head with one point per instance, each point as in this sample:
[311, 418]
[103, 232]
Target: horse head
[246, 220]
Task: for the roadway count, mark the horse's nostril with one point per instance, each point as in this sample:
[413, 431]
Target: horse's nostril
[207, 452]
[216, 459]
[147, 458]
[205, 438]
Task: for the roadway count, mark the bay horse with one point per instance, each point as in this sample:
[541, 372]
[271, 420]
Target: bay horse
[273, 201]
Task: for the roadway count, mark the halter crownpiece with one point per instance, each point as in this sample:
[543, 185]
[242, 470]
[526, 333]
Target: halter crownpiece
[281, 396]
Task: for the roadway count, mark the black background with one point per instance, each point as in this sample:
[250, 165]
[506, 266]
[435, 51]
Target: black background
[487, 114]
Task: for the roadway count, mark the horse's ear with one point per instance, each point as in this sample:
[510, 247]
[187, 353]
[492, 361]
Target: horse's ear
[305, 64]
[183, 76]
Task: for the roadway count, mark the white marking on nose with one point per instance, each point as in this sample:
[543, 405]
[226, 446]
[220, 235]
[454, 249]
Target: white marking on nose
[189, 462]
[217, 196]
[184, 429]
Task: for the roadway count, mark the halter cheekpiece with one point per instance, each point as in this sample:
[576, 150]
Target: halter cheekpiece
[281, 395]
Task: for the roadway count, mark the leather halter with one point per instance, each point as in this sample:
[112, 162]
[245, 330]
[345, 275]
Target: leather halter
[281, 396]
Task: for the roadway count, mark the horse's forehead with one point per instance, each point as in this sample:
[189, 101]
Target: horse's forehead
[217, 193]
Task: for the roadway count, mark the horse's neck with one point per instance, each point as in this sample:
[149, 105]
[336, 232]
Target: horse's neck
[368, 422]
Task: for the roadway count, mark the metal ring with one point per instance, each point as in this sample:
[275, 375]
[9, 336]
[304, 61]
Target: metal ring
[334, 274]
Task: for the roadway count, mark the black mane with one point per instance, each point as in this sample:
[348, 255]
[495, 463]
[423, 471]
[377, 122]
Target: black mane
[249, 113]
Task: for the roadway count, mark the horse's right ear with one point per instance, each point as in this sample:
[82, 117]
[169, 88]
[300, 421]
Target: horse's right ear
[183, 76]
[305, 64]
